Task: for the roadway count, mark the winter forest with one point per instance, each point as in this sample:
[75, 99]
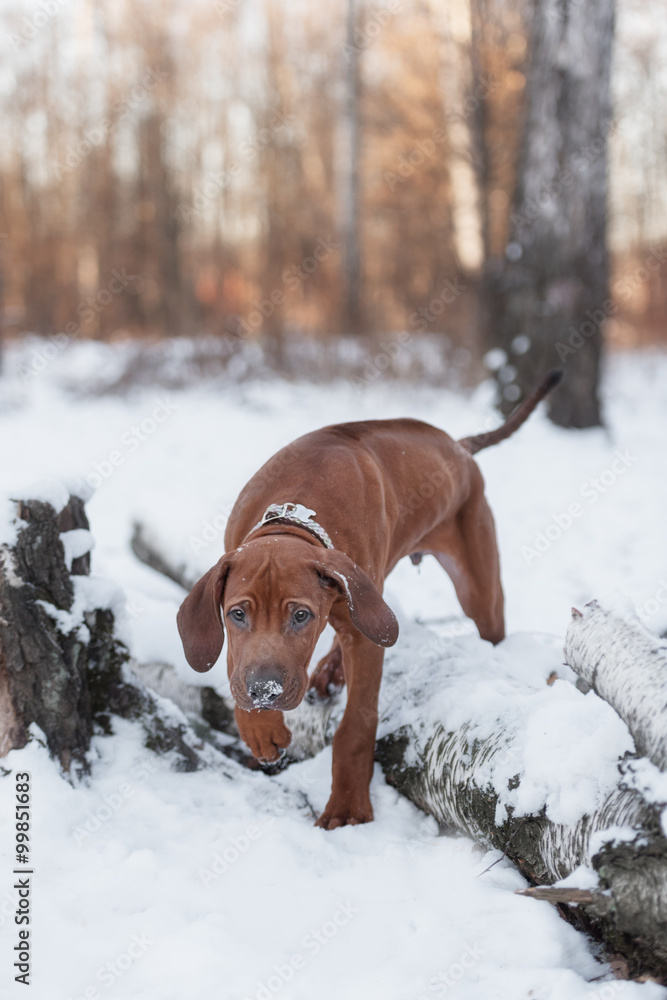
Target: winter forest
[333, 549]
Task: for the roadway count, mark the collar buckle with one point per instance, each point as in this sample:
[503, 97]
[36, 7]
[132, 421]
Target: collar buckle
[295, 513]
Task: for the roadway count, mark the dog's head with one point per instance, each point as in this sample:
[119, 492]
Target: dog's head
[274, 595]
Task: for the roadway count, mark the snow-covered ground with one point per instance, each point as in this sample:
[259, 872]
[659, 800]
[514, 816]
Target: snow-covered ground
[155, 885]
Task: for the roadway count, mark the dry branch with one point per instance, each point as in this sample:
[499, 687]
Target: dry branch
[148, 552]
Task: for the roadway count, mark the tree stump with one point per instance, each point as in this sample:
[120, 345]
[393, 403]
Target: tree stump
[61, 665]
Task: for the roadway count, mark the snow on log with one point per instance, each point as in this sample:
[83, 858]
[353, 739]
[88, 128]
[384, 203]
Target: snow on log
[62, 667]
[626, 665]
[475, 737]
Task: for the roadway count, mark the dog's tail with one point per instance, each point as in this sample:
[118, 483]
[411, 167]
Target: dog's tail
[519, 416]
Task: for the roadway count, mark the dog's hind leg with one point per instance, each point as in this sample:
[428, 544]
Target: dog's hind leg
[467, 550]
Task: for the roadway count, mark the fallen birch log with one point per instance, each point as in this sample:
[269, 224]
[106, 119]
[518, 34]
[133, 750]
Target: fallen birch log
[456, 737]
[626, 665]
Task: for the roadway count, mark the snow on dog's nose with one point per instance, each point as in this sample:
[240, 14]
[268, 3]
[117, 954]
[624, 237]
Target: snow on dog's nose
[264, 687]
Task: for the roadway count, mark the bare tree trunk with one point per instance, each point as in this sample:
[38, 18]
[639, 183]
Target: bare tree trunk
[547, 298]
[352, 318]
[159, 229]
[497, 54]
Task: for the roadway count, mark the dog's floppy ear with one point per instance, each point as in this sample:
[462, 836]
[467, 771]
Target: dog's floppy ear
[199, 619]
[368, 611]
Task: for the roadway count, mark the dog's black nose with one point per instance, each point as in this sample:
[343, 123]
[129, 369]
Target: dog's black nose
[264, 687]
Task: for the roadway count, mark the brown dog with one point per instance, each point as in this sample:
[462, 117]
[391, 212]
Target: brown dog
[310, 540]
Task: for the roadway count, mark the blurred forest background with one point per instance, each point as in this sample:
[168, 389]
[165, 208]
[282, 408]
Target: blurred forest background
[280, 173]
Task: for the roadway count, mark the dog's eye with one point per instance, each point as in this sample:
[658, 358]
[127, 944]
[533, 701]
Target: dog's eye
[301, 616]
[238, 614]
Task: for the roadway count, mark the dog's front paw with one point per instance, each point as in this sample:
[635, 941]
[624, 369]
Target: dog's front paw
[328, 677]
[350, 813]
[265, 733]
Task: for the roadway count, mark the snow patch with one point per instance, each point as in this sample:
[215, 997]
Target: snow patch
[48, 490]
[582, 877]
[8, 522]
[612, 835]
[8, 563]
[77, 542]
[90, 593]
